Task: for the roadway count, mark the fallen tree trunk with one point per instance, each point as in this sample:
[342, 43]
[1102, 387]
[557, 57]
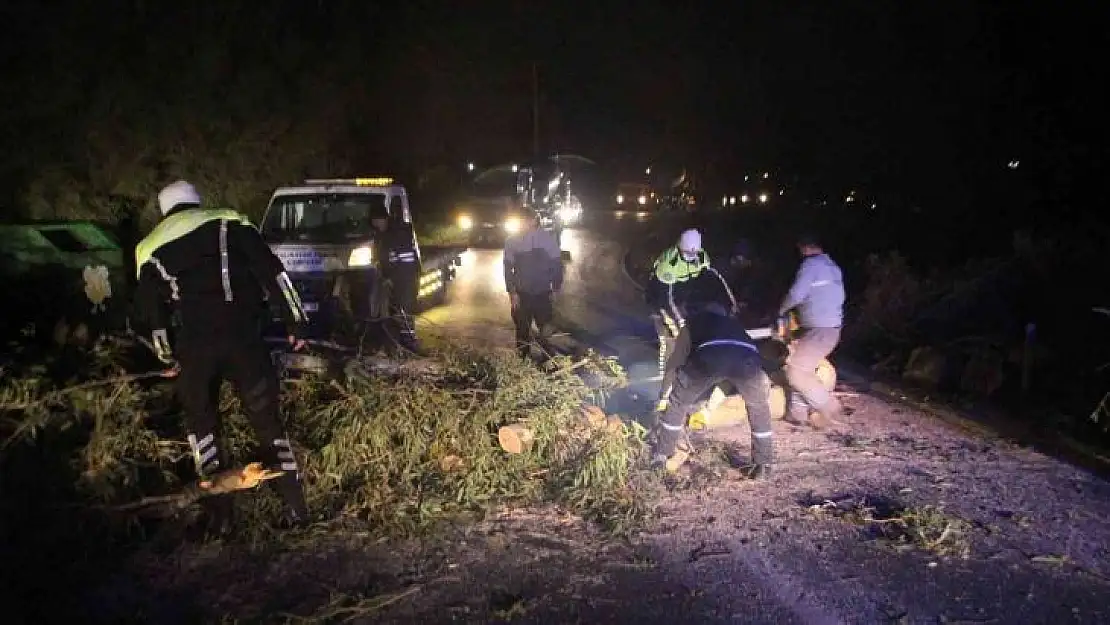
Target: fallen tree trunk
[222, 483]
[376, 366]
[725, 411]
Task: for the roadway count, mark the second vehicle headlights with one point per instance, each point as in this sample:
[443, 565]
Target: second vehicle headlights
[465, 222]
[512, 225]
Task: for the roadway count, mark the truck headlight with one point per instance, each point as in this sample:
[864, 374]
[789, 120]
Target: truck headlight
[512, 225]
[643, 200]
[568, 214]
[620, 199]
[361, 257]
[465, 222]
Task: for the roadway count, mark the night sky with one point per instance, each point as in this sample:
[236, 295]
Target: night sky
[915, 99]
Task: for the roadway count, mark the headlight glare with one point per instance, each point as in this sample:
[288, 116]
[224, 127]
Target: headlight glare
[361, 257]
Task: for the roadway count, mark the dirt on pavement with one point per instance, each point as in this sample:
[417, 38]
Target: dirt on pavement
[896, 518]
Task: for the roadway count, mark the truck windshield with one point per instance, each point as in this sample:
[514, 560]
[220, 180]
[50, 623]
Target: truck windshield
[324, 217]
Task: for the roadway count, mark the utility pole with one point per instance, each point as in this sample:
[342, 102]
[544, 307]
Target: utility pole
[535, 112]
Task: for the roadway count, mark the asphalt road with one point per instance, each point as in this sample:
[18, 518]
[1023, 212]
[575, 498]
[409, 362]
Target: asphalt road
[599, 307]
[1035, 544]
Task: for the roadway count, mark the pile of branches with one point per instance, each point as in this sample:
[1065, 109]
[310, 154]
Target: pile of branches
[397, 452]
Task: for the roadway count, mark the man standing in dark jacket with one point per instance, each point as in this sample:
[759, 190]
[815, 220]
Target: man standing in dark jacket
[533, 273]
[401, 266]
[721, 351]
[211, 270]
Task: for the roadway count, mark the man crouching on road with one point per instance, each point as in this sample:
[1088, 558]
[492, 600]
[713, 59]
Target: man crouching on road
[818, 296]
[212, 268]
[533, 273]
[721, 351]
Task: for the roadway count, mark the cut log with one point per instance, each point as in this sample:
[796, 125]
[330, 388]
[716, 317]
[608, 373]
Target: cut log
[515, 438]
[450, 463]
[777, 398]
[614, 423]
[728, 412]
[595, 417]
[732, 410]
[377, 366]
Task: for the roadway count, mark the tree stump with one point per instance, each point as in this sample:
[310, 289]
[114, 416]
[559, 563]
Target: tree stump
[515, 438]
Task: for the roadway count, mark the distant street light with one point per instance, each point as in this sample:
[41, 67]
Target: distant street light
[516, 168]
[470, 167]
[647, 171]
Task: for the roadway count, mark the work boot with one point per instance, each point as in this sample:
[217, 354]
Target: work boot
[827, 415]
[756, 472]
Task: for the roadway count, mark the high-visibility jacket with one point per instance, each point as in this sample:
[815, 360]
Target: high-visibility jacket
[211, 268]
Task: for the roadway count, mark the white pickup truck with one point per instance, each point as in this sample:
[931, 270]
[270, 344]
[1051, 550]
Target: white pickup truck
[322, 233]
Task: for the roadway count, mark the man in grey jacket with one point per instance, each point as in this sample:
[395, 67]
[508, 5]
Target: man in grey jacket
[533, 272]
[818, 296]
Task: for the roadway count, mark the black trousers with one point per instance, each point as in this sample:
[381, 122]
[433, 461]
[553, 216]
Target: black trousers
[708, 367]
[403, 278]
[534, 308]
[675, 350]
[240, 355]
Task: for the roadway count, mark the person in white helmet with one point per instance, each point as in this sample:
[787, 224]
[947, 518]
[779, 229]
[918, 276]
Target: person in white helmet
[210, 271]
[673, 282]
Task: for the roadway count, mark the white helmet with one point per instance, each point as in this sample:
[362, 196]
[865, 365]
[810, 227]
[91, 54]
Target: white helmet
[180, 192]
[689, 244]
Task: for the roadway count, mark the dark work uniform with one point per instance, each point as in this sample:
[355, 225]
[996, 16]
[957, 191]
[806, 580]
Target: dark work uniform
[704, 287]
[401, 266]
[720, 351]
[212, 269]
[533, 271]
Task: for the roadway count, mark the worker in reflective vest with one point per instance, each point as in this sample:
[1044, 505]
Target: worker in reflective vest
[674, 273]
[400, 265]
[211, 271]
[720, 351]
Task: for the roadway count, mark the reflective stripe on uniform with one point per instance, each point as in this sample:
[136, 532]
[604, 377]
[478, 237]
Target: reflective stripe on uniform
[292, 298]
[176, 226]
[175, 292]
[732, 342]
[225, 269]
[205, 454]
[724, 283]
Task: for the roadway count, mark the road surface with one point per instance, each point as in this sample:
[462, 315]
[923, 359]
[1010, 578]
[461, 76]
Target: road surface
[599, 307]
[1003, 534]
[896, 517]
